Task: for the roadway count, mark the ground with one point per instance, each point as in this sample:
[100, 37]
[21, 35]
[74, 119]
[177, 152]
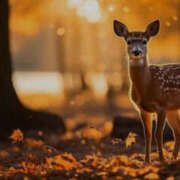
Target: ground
[86, 150]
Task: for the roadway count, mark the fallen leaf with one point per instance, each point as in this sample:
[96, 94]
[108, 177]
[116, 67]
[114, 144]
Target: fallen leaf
[92, 133]
[152, 176]
[32, 143]
[17, 136]
[170, 178]
[131, 138]
[62, 162]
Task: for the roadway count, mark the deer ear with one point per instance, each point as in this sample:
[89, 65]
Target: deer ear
[120, 29]
[153, 28]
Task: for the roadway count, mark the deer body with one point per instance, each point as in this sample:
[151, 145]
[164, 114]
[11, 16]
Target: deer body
[150, 92]
[154, 89]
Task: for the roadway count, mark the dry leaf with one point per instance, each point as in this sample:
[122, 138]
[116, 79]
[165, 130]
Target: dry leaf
[131, 138]
[107, 128]
[17, 136]
[170, 178]
[3, 154]
[152, 176]
[62, 162]
[92, 133]
[116, 141]
[25, 178]
[32, 143]
[40, 133]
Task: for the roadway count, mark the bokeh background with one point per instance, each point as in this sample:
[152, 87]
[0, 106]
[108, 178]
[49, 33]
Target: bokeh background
[67, 59]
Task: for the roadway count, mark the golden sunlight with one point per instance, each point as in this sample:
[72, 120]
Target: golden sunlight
[74, 3]
[98, 83]
[111, 8]
[89, 9]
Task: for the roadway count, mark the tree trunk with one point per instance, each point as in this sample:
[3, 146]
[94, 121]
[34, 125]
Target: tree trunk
[12, 113]
[7, 91]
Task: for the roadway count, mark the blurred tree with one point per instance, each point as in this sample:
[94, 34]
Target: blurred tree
[13, 113]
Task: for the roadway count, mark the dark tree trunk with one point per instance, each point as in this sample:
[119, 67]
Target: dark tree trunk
[12, 113]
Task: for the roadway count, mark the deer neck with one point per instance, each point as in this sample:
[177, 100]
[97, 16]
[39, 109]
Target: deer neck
[139, 74]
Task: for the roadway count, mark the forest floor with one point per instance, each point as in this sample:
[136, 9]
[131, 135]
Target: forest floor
[86, 150]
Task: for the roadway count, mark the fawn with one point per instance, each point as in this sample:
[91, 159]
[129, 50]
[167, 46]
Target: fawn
[153, 88]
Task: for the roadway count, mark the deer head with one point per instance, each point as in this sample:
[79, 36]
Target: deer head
[136, 41]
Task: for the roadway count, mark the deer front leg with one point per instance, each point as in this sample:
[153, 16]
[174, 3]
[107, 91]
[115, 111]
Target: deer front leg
[147, 124]
[159, 133]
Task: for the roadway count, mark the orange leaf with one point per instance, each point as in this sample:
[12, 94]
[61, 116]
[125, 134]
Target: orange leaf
[170, 178]
[92, 133]
[17, 136]
[62, 162]
[130, 139]
[152, 176]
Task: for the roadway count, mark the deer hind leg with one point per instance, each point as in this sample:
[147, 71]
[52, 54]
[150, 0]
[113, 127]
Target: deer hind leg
[159, 133]
[147, 124]
[173, 118]
[176, 146]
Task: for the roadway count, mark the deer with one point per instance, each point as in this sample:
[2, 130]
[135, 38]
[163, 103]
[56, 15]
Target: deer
[154, 89]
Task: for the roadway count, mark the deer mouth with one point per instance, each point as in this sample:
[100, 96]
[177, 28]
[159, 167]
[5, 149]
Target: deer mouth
[136, 62]
[134, 57]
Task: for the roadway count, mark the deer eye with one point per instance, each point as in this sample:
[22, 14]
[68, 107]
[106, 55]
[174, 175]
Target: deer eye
[144, 42]
[128, 41]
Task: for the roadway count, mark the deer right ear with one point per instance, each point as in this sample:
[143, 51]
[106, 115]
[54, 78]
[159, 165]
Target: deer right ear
[153, 28]
[120, 29]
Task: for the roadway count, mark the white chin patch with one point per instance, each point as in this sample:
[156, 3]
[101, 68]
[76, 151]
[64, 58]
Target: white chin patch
[136, 62]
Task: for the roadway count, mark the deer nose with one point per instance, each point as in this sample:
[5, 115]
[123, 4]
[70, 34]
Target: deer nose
[136, 52]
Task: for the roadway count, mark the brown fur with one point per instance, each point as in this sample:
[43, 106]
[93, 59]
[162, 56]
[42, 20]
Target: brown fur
[154, 89]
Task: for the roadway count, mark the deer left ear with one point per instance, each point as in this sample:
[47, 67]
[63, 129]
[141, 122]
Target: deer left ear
[120, 29]
[153, 28]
